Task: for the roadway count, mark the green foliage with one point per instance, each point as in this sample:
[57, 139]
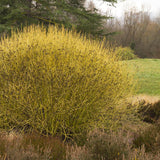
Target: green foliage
[124, 53]
[57, 82]
[68, 13]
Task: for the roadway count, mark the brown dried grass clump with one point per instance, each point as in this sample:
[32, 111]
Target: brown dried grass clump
[14, 146]
[110, 146]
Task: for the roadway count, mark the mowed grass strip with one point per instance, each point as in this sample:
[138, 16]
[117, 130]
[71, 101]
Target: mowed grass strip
[147, 75]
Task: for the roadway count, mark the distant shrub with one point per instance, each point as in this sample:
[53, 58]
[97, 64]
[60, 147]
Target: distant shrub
[57, 82]
[124, 53]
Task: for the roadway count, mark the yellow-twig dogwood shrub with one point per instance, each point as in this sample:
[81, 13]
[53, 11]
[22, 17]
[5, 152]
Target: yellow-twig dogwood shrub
[57, 81]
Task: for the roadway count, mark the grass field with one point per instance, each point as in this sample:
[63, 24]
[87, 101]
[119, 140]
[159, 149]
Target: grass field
[147, 74]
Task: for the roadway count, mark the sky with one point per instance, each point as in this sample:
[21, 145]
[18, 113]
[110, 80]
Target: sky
[152, 6]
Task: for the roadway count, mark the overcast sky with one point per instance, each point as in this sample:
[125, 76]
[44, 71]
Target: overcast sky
[152, 6]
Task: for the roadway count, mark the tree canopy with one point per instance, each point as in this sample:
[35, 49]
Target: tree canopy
[69, 13]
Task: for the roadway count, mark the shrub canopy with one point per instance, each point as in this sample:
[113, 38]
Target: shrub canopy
[125, 53]
[55, 81]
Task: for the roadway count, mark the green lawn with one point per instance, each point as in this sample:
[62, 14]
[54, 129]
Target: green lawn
[147, 75]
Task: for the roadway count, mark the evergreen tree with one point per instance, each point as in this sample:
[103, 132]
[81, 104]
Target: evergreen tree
[70, 13]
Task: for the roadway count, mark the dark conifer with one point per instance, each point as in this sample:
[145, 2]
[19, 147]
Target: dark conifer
[69, 13]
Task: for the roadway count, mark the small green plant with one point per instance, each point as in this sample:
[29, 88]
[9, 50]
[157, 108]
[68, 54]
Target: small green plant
[124, 53]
